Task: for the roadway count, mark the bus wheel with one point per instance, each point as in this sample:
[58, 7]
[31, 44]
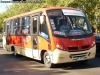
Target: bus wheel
[47, 60]
[15, 52]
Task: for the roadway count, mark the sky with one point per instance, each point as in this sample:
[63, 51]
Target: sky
[3, 6]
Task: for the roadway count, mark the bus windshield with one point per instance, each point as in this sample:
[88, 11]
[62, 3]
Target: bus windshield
[68, 23]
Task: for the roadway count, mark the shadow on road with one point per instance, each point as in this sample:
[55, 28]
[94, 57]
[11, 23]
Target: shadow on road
[9, 65]
[93, 63]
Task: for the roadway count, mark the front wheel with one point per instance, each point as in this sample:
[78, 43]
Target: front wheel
[47, 60]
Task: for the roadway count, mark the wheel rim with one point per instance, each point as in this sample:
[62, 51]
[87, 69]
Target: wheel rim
[47, 60]
[14, 52]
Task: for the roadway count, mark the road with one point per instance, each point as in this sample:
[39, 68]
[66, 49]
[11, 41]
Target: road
[11, 65]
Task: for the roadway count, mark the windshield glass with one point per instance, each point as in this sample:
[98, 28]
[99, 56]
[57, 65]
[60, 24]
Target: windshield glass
[68, 22]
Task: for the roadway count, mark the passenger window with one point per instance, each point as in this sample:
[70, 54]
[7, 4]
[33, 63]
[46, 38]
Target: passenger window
[4, 29]
[25, 30]
[23, 21]
[25, 25]
[27, 20]
[35, 25]
[11, 27]
[15, 22]
[15, 31]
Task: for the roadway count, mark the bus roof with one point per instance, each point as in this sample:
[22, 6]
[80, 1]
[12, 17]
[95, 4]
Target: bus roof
[40, 10]
[51, 8]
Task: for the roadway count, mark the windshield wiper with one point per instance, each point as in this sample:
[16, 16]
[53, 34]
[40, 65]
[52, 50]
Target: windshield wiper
[84, 30]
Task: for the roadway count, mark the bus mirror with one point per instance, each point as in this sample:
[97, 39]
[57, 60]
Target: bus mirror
[42, 19]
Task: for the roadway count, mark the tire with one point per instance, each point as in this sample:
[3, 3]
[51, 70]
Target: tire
[47, 60]
[14, 52]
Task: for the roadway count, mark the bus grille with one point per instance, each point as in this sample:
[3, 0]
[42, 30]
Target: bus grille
[78, 48]
[75, 56]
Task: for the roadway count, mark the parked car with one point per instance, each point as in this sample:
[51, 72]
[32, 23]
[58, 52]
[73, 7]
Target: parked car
[97, 38]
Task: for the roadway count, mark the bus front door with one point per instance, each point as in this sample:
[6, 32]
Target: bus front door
[35, 22]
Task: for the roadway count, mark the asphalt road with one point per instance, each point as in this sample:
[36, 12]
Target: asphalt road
[11, 65]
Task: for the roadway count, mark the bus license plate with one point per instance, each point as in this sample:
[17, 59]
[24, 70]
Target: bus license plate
[80, 58]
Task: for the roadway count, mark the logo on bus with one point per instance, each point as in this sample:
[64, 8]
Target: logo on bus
[80, 48]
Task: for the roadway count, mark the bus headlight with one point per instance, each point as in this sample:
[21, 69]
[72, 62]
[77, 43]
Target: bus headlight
[60, 47]
[93, 43]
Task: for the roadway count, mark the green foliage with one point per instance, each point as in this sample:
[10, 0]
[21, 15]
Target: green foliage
[64, 2]
[90, 7]
[51, 2]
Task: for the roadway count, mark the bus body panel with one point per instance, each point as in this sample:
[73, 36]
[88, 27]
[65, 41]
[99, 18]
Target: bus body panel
[72, 45]
[23, 45]
[22, 41]
[43, 43]
[60, 56]
[26, 42]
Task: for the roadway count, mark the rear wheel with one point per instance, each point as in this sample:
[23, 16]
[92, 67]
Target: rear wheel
[47, 60]
[14, 52]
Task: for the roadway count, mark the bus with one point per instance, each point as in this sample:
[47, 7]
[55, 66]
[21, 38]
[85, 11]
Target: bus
[36, 34]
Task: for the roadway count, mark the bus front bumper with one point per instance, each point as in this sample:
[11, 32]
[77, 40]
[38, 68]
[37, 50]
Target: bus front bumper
[60, 56]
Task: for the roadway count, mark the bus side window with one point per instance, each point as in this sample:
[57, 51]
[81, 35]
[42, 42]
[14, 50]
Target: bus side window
[25, 25]
[14, 26]
[35, 25]
[18, 27]
[8, 29]
[11, 27]
[4, 28]
[43, 27]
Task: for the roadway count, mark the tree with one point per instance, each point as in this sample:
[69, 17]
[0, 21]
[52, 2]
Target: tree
[90, 7]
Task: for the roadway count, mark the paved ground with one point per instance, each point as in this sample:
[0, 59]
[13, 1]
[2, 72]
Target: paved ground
[11, 65]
